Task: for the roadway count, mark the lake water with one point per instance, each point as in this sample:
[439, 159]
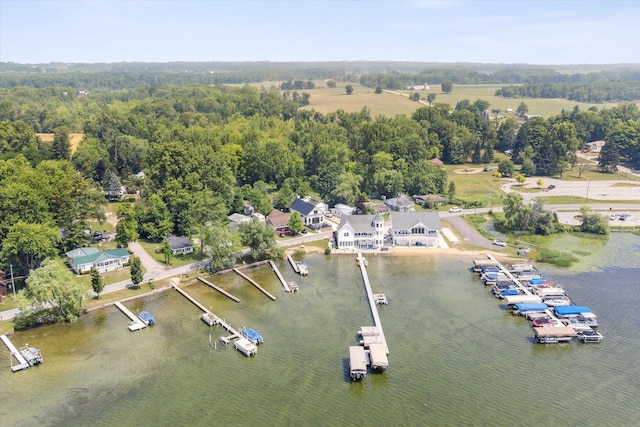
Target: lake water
[456, 358]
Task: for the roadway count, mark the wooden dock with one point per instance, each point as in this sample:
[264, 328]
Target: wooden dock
[301, 269]
[254, 283]
[214, 320]
[22, 362]
[136, 323]
[219, 289]
[285, 284]
[293, 263]
[380, 338]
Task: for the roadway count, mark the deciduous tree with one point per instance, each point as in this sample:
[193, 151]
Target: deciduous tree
[136, 270]
[97, 282]
[48, 285]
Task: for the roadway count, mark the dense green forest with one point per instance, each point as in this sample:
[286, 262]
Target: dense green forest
[206, 150]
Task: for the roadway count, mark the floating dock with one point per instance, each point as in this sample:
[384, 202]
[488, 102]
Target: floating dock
[22, 362]
[565, 330]
[219, 289]
[254, 283]
[136, 323]
[288, 286]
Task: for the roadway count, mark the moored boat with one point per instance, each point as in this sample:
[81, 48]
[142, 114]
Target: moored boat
[33, 356]
[554, 335]
[147, 318]
[252, 335]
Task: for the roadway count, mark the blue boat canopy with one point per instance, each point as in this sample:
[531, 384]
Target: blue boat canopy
[531, 307]
[510, 292]
[535, 281]
[571, 309]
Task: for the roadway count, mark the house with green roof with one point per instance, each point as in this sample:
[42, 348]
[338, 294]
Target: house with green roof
[82, 260]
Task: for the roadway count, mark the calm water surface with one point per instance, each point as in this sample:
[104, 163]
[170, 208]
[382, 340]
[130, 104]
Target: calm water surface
[456, 358]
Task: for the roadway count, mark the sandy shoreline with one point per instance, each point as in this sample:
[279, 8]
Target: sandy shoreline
[409, 251]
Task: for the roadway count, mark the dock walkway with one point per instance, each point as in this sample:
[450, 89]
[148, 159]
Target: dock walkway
[254, 283]
[210, 317]
[219, 289]
[300, 269]
[380, 339]
[136, 323]
[22, 362]
[285, 285]
[520, 286]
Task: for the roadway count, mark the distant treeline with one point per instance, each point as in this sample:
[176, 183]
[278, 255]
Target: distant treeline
[606, 84]
[596, 92]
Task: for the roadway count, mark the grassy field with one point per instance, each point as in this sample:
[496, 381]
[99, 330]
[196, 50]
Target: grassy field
[325, 100]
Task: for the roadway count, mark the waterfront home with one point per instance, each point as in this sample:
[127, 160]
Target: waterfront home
[82, 260]
[360, 231]
[179, 245]
[311, 211]
[415, 228]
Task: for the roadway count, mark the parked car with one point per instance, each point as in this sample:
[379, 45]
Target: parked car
[304, 231]
[612, 217]
[499, 243]
[488, 168]
[623, 217]
[455, 209]
[551, 187]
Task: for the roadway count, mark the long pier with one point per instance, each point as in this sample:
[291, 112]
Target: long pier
[254, 283]
[219, 289]
[136, 324]
[22, 362]
[211, 318]
[372, 303]
[285, 285]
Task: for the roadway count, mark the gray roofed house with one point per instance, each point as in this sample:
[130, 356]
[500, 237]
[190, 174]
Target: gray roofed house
[429, 199]
[235, 219]
[415, 228]
[360, 231]
[180, 245]
[400, 204]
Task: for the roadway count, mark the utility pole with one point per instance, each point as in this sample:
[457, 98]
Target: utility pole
[586, 200]
[13, 283]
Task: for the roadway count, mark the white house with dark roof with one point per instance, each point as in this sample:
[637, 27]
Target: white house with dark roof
[415, 228]
[180, 245]
[312, 214]
[360, 231]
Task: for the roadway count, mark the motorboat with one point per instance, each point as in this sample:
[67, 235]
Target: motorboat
[147, 318]
[252, 335]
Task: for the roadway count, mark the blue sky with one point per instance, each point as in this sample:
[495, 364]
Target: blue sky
[534, 32]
